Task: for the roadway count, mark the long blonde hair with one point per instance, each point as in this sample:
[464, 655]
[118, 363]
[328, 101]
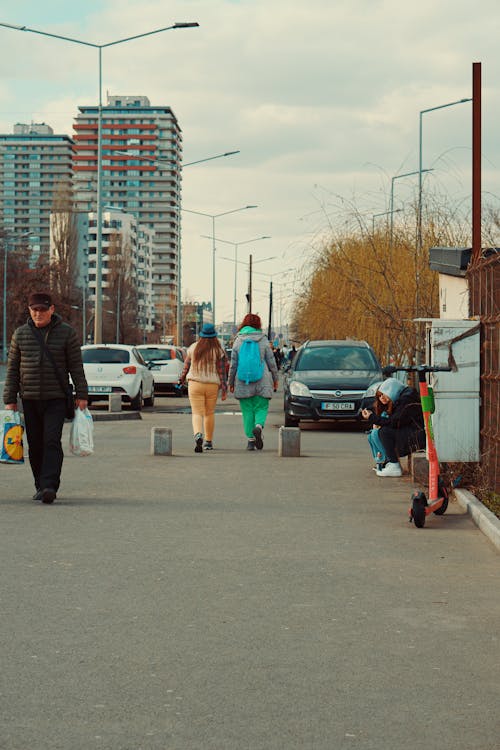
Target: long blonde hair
[206, 353]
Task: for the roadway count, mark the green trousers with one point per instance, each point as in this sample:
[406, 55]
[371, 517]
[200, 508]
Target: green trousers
[254, 411]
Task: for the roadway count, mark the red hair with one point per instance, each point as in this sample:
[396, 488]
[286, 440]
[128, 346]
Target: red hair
[251, 320]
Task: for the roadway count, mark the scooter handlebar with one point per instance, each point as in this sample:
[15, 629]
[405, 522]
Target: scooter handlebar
[417, 368]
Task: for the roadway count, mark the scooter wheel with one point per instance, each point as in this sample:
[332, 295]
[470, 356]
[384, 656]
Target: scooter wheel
[443, 492]
[418, 506]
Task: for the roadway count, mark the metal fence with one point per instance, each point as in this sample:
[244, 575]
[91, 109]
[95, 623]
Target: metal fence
[484, 286]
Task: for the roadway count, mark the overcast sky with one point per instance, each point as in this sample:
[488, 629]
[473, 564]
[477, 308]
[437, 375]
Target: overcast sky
[321, 97]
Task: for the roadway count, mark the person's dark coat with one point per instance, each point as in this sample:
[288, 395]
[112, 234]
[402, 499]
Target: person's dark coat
[406, 412]
[29, 371]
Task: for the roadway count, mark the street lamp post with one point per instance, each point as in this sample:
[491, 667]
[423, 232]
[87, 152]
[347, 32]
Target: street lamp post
[420, 170]
[250, 265]
[214, 217]
[99, 47]
[6, 240]
[236, 245]
[178, 209]
[383, 213]
[271, 299]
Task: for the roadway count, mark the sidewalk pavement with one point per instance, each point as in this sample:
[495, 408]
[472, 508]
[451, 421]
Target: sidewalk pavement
[235, 600]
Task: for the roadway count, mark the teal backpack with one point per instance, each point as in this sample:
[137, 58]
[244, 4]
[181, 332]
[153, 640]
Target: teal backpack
[250, 365]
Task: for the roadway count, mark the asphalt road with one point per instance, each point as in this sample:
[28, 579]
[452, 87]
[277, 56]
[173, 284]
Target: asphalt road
[241, 601]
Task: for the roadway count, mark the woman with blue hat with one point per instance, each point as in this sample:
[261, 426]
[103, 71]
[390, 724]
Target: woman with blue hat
[205, 371]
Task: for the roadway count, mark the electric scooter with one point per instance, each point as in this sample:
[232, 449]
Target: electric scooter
[438, 493]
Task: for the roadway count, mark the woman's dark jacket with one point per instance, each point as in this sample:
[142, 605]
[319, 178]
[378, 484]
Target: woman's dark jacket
[29, 371]
[407, 412]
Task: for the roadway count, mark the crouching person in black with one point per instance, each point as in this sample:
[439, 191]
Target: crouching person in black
[398, 414]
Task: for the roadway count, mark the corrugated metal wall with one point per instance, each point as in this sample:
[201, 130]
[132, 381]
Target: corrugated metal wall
[484, 286]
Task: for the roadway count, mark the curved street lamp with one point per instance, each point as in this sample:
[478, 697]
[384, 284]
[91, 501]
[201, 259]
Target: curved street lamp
[178, 209]
[99, 48]
[214, 217]
[235, 260]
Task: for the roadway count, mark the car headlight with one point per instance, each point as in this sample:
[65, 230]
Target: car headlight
[299, 389]
[371, 390]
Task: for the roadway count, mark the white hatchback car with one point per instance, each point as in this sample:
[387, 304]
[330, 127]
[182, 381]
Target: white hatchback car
[166, 362]
[118, 368]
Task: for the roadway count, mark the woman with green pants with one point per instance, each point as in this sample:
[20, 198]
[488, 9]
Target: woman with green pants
[253, 395]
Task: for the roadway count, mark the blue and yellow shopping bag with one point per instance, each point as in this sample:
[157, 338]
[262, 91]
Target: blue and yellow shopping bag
[11, 430]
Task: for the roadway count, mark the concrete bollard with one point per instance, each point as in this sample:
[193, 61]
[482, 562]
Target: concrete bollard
[115, 402]
[161, 441]
[289, 441]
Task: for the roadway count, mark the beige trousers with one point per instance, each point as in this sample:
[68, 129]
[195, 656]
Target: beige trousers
[203, 397]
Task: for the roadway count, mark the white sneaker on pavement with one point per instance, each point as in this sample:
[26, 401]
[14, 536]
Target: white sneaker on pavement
[391, 470]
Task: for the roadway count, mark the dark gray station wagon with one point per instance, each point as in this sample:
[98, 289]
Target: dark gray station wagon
[327, 380]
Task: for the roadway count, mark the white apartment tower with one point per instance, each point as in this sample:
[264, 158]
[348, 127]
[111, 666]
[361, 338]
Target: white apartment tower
[35, 177]
[142, 152]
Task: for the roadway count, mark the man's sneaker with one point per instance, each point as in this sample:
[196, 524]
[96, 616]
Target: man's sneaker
[257, 433]
[251, 445]
[391, 470]
[198, 439]
[48, 495]
[208, 445]
[37, 497]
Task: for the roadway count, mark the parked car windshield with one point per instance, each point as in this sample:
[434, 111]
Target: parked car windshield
[160, 353]
[105, 356]
[336, 358]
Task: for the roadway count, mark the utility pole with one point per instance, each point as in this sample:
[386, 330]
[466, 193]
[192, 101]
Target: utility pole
[270, 310]
[250, 284]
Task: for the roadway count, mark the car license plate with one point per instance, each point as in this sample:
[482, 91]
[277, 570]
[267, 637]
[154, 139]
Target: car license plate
[155, 367]
[99, 389]
[337, 406]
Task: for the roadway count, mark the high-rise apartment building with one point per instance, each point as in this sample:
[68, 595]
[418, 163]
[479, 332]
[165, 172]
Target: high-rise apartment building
[142, 151]
[35, 176]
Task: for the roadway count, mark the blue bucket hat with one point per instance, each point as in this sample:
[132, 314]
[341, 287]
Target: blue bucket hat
[208, 331]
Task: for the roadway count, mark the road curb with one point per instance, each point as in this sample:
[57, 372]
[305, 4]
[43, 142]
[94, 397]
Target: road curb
[484, 519]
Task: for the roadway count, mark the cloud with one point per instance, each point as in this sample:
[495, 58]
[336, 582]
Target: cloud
[318, 93]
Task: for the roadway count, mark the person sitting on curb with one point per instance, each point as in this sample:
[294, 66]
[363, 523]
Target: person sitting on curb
[401, 430]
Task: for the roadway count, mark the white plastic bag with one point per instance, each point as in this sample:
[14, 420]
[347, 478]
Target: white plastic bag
[81, 434]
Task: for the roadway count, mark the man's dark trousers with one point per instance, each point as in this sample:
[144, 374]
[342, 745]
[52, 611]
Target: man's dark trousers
[44, 422]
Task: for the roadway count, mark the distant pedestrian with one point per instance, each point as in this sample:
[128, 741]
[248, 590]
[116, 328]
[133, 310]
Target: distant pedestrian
[205, 371]
[32, 375]
[254, 391]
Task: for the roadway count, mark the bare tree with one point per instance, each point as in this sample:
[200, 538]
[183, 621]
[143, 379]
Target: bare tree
[121, 294]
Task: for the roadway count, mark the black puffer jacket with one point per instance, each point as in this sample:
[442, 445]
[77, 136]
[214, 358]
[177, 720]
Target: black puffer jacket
[29, 371]
[407, 411]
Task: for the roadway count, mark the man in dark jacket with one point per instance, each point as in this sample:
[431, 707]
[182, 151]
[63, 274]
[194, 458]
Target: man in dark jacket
[31, 374]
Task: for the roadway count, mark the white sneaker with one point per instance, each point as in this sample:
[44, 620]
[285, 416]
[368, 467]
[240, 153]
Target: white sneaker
[391, 470]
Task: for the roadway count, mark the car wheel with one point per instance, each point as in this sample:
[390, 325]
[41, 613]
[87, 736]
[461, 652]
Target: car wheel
[291, 421]
[136, 403]
[151, 400]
